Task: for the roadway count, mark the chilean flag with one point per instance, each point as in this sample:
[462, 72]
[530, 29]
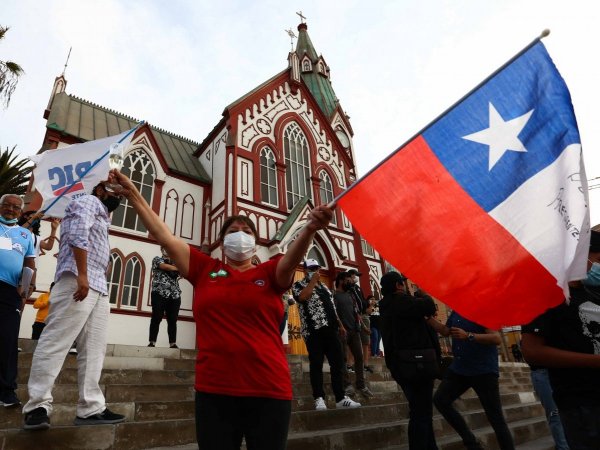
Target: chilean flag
[487, 208]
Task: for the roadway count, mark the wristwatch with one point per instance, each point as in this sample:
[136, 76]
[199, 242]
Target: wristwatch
[470, 337]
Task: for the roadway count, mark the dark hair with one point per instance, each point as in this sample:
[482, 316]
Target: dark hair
[389, 281]
[243, 219]
[94, 191]
[341, 277]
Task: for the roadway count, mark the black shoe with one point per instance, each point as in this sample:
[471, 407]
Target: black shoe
[104, 417]
[350, 369]
[37, 419]
[174, 346]
[10, 400]
[151, 344]
[368, 369]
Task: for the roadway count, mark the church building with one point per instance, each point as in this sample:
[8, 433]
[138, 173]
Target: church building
[277, 151]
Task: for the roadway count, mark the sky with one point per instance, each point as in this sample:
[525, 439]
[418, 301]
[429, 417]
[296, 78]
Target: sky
[395, 65]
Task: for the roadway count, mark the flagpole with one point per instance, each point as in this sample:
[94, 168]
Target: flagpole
[538, 39]
[133, 130]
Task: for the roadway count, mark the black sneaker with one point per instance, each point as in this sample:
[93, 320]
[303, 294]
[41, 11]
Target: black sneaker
[174, 346]
[350, 369]
[37, 419]
[10, 400]
[368, 369]
[151, 344]
[104, 417]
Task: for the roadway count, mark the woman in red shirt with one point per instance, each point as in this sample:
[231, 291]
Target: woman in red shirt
[243, 386]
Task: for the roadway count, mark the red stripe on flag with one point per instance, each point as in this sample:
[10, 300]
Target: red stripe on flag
[422, 221]
[76, 187]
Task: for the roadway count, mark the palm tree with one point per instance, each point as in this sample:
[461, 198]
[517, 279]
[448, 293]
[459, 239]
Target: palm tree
[14, 175]
[9, 75]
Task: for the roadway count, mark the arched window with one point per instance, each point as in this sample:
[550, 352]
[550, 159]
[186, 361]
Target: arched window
[326, 191]
[137, 166]
[115, 277]
[297, 174]
[268, 177]
[306, 66]
[171, 210]
[131, 282]
[316, 253]
[187, 217]
[375, 288]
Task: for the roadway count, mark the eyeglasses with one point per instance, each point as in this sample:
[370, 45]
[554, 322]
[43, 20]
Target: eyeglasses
[11, 206]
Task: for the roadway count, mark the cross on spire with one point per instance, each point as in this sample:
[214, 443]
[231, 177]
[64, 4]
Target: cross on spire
[302, 18]
[67, 61]
[292, 37]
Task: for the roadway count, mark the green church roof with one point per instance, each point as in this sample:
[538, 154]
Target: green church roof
[317, 83]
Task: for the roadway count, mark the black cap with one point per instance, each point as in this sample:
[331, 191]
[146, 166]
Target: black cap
[389, 280]
[594, 241]
[354, 272]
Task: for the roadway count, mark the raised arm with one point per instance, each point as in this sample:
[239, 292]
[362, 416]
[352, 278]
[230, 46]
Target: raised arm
[48, 243]
[178, 250]
[318, 219]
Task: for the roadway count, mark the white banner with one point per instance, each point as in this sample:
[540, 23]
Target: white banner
[57, 169]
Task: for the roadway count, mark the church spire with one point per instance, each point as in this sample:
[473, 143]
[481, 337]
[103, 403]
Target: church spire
[60, 85]
[314, 71]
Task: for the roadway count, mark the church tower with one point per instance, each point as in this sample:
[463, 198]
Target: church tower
[280, 150]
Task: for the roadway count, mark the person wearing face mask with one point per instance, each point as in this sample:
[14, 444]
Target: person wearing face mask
[166, 298]
[80, 310]
[16, 253]
[566, 341]
[349, 313]
[243, 385]
[321, 329]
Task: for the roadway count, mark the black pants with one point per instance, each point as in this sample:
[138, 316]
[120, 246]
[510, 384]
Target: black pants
[36, 330]
[222, 421]
[10, 319]
[419, 394]
[320, 343]
[582, 426]
[160, 307]
[487, 389]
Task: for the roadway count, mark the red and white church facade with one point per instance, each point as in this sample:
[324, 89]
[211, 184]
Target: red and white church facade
[278, 151]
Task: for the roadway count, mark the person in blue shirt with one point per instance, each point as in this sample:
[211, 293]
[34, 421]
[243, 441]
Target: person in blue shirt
[475, 366]
[16, 251]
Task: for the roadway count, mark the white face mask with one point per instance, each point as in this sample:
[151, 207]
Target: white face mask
[239, 246]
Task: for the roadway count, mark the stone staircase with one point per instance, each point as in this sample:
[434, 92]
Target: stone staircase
[153, 387]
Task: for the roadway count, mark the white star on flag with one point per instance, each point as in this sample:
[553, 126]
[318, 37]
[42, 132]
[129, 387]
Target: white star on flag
[501, 136]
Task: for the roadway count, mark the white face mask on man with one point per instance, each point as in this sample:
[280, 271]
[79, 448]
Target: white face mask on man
[239, 246]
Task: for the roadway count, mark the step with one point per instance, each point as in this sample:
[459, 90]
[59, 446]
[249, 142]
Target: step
[124, 376]
[123, 436]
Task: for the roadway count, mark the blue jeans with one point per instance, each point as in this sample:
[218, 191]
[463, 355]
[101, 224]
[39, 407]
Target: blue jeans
[375, 340]
[541, 385]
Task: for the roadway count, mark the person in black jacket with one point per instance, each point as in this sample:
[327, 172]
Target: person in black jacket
[405, 334]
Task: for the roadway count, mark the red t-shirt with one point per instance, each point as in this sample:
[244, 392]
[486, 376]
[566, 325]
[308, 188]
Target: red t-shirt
[237, 314]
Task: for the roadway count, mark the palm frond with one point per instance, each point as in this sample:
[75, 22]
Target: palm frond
[14, 173]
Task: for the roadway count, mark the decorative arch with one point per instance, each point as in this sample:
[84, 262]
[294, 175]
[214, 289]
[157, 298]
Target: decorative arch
[171, 210]
[375, 289]
[315, 252]
[268, 177]
[139, 167]
[114, 281]
[297, 160]
[188, 216]
[326, 192]
[132, 288]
